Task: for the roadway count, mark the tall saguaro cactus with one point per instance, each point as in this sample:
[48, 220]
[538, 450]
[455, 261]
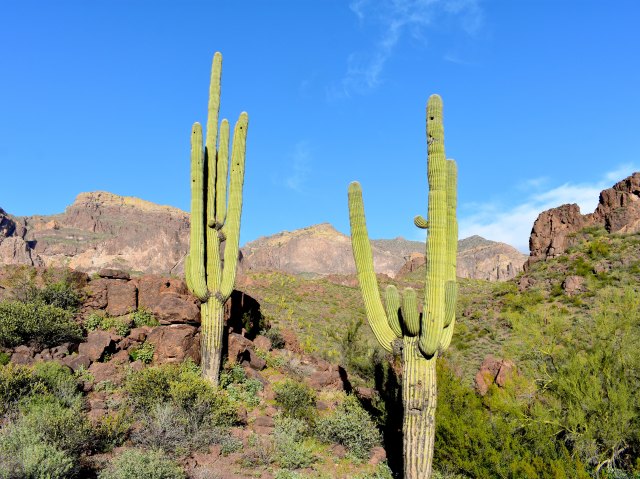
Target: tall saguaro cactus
[399, 326]
[215, 218]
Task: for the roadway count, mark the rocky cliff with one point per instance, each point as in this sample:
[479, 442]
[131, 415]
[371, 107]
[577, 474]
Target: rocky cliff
[102, 230]
[618, 211]
[478, 258]
[318, 250]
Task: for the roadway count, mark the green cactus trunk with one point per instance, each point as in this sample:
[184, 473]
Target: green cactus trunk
[421, 336]
[215, 219]
[419, 400]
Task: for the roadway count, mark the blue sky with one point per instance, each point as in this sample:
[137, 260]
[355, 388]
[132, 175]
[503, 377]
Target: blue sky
[541, 102]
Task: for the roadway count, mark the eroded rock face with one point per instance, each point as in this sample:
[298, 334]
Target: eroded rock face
[317, 250]
[14, 249]
[494, 371]
[102, 230]
[478, 258]
[618, 211]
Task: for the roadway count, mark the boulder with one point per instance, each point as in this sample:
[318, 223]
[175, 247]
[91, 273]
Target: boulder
[262, 342]
[152, 286]
[96, 294]
[111, 371]
[97, 343]
[573, 285]
[493, 371]
[237, 348]
[113, 273]
[76, 362]
[122, 297]
[175, 308]
[175, 343]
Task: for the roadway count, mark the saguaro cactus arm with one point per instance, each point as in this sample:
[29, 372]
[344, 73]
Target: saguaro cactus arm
[195, 265]
[364, 265]
[231, 228]
[433, 316]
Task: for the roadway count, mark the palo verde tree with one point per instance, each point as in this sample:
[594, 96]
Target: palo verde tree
[398, 326]
[215, 219]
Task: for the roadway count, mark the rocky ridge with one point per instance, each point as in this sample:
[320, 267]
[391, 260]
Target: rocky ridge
[618, 211]
[103, 230]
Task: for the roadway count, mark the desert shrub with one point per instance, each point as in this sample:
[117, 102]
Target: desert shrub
[178, 431]
[144, 352]
[259, 452]
[25, 455]
[296, 399]
[291, 451]
[240, 388]
[144, 317]
[120, 325]
[61, 294]
[140, 464]
[351, 426]
[20, 382]
[181, 385]
[5, 358]
[111, 430]
[598, 248]
[66, 428]
[382, 471]
[275, 335]
[42, 324]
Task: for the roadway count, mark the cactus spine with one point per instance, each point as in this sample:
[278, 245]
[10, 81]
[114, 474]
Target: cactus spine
[215, 218]
[400, 325]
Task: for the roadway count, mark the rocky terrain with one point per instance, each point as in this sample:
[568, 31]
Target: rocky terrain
[103, 230]
[478, 258]
[618, 211]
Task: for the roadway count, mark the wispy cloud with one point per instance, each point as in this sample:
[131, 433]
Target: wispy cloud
[395, 19]
[513, 224]
[300, 166]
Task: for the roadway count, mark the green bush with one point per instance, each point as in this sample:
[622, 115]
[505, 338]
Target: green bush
[66, 428]
[240, 388]
[20, 382]
[275, 335]
[42, 324]
[143, 353]
[296, 399]
[291, 452]
[61, 294]
[351, 426]
[120, 325]
[383, 472]
[5, 358]
[25, 455]
[140, 464]
[144, 317]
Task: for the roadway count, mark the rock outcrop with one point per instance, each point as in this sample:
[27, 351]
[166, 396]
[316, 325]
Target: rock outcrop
[14, 249]
[103, 230]
[478, 258]
[618, 211]
[316, 250]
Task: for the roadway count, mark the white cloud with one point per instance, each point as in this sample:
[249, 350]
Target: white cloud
[394, 19]
[300, 166]
[513, 224]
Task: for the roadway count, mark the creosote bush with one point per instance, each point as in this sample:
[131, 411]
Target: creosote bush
[296, 399]
[42, 324]
[351, 426]
[136, 463]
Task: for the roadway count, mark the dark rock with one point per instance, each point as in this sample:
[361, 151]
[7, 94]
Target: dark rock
[262, 342]
[573, 285]
[237, 347]
[493, 371]
[122, 297]
[175, 343]
[175, 308]
[97, 343]
[110, 371]
[76, 362]
[113, 273]
[255, 361]
[96, 294]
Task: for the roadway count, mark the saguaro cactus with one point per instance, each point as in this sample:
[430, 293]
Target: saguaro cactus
[215, 218]
[400, 327]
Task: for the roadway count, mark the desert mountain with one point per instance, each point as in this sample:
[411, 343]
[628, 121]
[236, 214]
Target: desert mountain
[478, 258]
[104, 230]
[618, 211]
